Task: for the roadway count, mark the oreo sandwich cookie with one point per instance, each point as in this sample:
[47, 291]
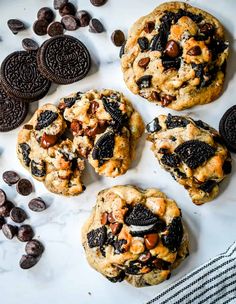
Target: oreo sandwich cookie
[21, 78]
[227, 128]
[63, 59]
[12, 112]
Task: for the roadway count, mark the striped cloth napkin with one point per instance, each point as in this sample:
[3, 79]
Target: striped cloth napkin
[212, 283]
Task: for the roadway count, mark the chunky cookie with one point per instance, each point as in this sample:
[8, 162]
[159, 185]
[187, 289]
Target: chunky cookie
[105, 127]
[193, 152]
[49, 157]
[135, 235]
[176, 56]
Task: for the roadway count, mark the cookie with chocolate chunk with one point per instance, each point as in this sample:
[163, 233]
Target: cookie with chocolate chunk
[176, 56]
[193, 152]
[123, 238]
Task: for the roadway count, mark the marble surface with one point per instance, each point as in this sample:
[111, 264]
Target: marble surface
[63, 275]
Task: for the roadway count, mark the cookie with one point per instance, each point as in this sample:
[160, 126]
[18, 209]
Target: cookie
[176, 56]
[47, 155]
[21, 78]
[105, 127]
[227, 128]
[193, 152]
[112, 247]
[63, 59]
[12, 112]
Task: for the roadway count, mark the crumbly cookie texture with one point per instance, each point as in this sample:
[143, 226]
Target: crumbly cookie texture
[135, 235]
[193, 152]
[48, 157]
[105, 127]
[176, 56]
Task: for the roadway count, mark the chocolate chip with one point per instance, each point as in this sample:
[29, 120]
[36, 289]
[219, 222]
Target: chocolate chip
[9, 231]
[143, 43]
[151, 240]
[155, 96]
[27, 126]
[67, 9]
[15, 25]
[207, 29]
[29, 45]
[143, 63]
[10, 177]
[55, 29]
[83, 17]
[118, 38]
[149, 27]
[95, 26]
[3, 197]
[27, 261]
[24, 187]
[45, 13]
[167, 99]
[25, 233]
[172, 49]
[34, 248]
[6, 209]
[227, 167]
[2, 221]
[98, 2]
[115, 228]
[104, 218]
[58, 3]
[37, 205]
[69, 22]
[18, 215]
[194, 51]
[40, 27]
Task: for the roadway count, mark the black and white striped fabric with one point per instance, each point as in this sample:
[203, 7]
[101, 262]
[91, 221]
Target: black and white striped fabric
[212, 283]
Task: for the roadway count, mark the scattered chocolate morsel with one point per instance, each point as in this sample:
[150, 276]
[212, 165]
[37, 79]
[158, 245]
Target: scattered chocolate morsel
[55, 29]
[151, 240]
[83, 18]
[29, 45]
[25, 233]
[172, 49]
[104, 218]
[15, 25]
[46, 13]
[28, 127]
[111, 218]
[155, 96]
[9, 231]
[95, 26]
[37, 204]
[194, 51]
[34, 248]
[118, 38]
[143, 43]
[18, 215]
[98, 2]
[69, 22]
[115, 228]
[149, 27]
[27, 261]
[3, 197]
[58, 3]
[2, 221]
[67, 9]
[143, 63]
[167, 99]
[207, 29]
[40, 27]
[24, 187]
[48, 140]
[6, 209]
[10, 177]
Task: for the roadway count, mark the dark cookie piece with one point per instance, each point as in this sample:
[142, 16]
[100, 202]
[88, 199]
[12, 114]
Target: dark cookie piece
[3, 197]
[29, 44]
[83, 18]
[227, 128]
[67, 9]
[45, 119]
[9, 231]
[25, 233]
[227, 167]
[12, 112]
[113, 108]
[2, 221]
[97, 237]
[15, 25]
[95, 26]
[21, 78]
[37, 204]
[170, 160]
[25, 151]
[194, 152]
[69, 22]
[174, 234]
[18, 215]
[208, 186]
[118, 37]
[64, 59]
[40, 27]
[118, 246]
[24, 187]
[157, 227]
[104, 146]
[143, 43]
[34, 248]
[119, 278]
[10, 177]
[144, 82]
[28, 261]
[140, 216]
[202, 124]
[38, 168]
[46, 13]
[153, 126]
[176, 122]
[134, 268]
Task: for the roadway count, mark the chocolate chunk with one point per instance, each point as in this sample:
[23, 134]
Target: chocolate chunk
[113, 108]
[46, 13]
[25, 151]
[194, 51]
[24, 187]
[29, 44]
[6, 209]
[45, 119]
[15, 25]
[38, 169]
[95, 26]
[169, 63]
[34, 248]
[208, 186]
[149, 27]
[227, 167]
[25, 233]
[227, 128]
[143, 43]
[151, 240]
[140, 216]
[69, 22]
[172, 49]
[119, 278]
[115, 228]
[103, 149]
[134, 268]
[9, 231]
[83, 17]
[10, 177]
[194, 152]
[58, 3]
[153, 126]
[40, 27]
[166, 99]
[143, 63]
[170, 160]
[118, 246]
[37, 204]
[144, 82]
[173, 236]
[2, 221]
[18, 215]
[118, 37]
[55, 29]
[67, 9]
[202, 124]
[3, 197]
[176, 122]
[98, 2]
[207, 29]
[97, 237]
[28, 261]
[161, 264]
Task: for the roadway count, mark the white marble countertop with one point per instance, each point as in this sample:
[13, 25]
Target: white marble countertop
[63, 275]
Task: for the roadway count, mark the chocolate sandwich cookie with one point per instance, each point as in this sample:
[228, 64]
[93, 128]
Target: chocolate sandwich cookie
[227, 128]
[21, 78]
[63, 59]
[12, 112]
